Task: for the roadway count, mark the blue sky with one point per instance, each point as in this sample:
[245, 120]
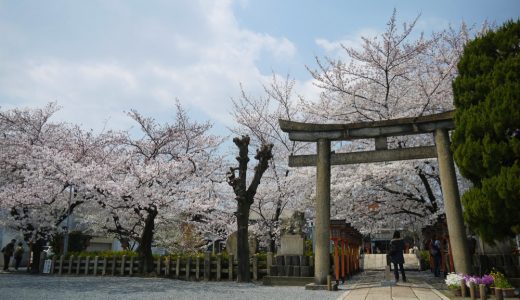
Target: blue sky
[101, 58]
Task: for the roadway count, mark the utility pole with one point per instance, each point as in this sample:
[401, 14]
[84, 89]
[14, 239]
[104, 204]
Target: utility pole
[66, 237]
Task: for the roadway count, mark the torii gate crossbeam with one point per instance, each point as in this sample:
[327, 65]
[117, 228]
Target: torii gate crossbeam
[323, 134]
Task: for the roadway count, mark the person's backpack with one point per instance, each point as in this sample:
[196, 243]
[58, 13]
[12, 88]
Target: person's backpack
[18, 252]
[434, 249]
[393, 250]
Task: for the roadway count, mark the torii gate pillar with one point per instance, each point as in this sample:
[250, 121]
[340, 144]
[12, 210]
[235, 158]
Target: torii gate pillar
[322, 223]
[452, 205]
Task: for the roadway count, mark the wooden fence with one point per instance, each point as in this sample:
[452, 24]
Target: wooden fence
[508, 264]
[199, 268]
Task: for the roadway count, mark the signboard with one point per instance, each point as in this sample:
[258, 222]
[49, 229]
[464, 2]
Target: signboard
[47, 266]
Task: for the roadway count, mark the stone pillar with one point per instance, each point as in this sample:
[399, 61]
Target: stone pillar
[452, 205]
[322, 222]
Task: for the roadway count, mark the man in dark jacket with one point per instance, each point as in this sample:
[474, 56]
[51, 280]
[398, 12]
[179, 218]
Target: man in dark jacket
[435, 252]
[8, 251]
[396, 255]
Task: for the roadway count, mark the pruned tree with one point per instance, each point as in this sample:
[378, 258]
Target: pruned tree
[245, 196]
[257, 116]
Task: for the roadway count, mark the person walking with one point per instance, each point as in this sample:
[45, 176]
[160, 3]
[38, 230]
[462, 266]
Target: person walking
[435, 251]
[8, 251]
[18, 254]
[396, 255]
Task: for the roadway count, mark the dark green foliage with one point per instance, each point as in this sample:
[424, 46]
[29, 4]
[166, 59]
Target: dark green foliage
[105, 253]
[77, 242]
[486, 142]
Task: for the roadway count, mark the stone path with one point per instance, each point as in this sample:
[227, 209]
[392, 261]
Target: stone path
[393, 293]
[378, 262]
[368, 286]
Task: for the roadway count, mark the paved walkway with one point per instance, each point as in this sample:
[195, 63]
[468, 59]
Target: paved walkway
[364, 286]
[368, 286]
[45, 287]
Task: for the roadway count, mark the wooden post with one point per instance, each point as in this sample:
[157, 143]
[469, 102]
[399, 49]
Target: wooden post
[104, 269]
[87, 265]
[269, 262]
[255, 267]
[343, 259]
[482, 291]
[60, 269]
[358, 248]
[219, 267]
[123, 263]
[348, 258]
[43, 257]
[207, 266]
[131, 271]
[159, 265]
[498, 294]
[178, 268]
[71, 258]
[96, 259]
[53, 265]
[463, 288]
[197, 268]
[78, 265]
[113, 266]
[230, 267]
[336, 260]
[472, 290]
[167, 266]
[188, 265]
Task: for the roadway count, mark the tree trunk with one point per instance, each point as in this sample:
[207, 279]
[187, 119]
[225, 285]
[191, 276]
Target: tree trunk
[125, 243]
[277, 214]
[243, 274]
[36, 249]
[272, 242]
[145, 245]
[245, 197]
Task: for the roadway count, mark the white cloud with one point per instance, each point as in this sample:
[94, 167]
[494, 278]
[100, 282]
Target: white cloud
[198, 58]
[308, 90]
[334, 48]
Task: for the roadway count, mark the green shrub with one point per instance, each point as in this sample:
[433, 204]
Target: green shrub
[424, 255]
[308, 248]
[261, 256]
[499, 280]
[105, 253]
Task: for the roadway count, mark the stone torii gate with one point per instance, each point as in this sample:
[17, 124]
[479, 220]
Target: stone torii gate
[323, 134]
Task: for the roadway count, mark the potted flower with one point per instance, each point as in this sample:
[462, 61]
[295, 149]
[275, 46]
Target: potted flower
[486, 280]
[453, 283]
[501, 282]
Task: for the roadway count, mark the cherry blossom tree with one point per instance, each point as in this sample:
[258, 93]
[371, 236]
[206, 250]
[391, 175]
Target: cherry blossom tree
[40, 161]
[140, 183]
[156, 176]
[397, 74]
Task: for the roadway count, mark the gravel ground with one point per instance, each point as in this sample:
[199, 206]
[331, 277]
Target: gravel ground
[23, 286]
